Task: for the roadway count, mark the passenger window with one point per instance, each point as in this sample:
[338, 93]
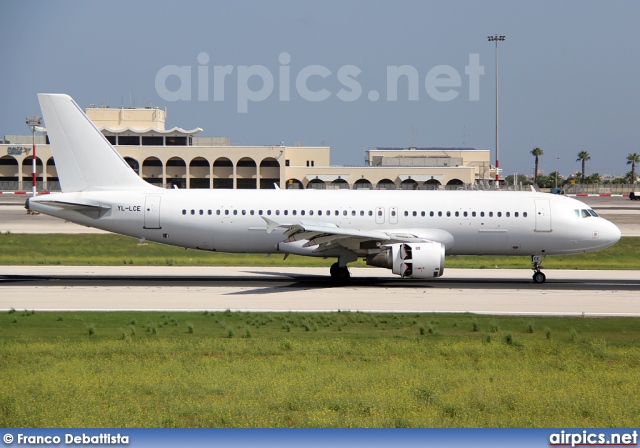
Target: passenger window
[430, 213]
[202, 212]
[524, 214]
[286, 212]
[184, 212]
[193, 212]
[353, 213]
[448, 214]
[370, 213]
[490, 214]
[499, 214]
[244, 212]
[422, 214]
[294, 212]
[210, 212]
[516, 214]
[393, 213]
[361, 212]
[268, 212]
[473, 214]
[235, 212]
[482, 214]
[457, 214]
[310, 212]
[465, 214]
[260, 212]
[302, 212]
[217, 212]
[415, 213]
[439, 213]
[508, 214]
[319, 212]
[251, 212]
[344, 213]
[379, 212]
[406, 213]
[278, 212]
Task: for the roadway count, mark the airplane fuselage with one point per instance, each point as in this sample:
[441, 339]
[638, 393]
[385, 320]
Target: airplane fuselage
[501, 223]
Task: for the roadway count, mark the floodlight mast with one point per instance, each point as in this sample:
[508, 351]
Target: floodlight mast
[496, 38]
[34, 122]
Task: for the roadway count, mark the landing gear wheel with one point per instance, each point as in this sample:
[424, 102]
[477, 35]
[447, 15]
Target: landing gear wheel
[539, 277]
[339, 274]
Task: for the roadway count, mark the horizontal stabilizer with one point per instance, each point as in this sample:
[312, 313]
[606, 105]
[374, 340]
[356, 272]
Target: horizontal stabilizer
[77, 207]
[89, 208]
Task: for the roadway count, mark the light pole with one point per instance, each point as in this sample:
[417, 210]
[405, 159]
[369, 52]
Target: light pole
[495, 38]
[34, 123]
[557, 160]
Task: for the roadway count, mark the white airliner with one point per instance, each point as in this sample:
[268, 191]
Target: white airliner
[409, 232]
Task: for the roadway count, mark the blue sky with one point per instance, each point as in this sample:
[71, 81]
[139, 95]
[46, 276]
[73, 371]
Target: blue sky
[568, 72]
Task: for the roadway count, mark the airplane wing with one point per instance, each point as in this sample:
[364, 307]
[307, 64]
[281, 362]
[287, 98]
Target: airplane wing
[322, 234]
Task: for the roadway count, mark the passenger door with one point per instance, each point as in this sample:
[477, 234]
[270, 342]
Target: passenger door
[152, 212]
[543, 215]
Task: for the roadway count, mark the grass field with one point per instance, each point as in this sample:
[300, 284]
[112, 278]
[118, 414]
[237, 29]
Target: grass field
[316, 370]
[110, 250]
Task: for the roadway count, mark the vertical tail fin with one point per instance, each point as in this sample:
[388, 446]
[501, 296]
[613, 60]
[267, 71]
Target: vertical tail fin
[84, 159]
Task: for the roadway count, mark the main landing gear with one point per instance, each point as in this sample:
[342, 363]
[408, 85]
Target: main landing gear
[538, 276]
[339, 274]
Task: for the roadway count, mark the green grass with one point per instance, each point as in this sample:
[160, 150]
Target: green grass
[111, 250]
[228, 369]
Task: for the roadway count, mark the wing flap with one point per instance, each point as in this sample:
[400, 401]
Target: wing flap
[328, 235]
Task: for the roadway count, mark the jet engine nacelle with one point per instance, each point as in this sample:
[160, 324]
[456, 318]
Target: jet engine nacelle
[414, 260]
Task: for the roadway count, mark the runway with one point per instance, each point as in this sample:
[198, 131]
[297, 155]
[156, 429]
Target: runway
[483, 291]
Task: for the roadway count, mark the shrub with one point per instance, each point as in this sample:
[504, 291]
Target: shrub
[573, 334]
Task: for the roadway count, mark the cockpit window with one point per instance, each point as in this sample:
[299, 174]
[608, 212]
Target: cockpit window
[593, 213]
[585, 214]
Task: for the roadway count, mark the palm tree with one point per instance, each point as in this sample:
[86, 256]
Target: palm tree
[632, 159]
[583, 156]
[536, 152]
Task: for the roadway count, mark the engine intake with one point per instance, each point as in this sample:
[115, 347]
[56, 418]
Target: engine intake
[419, 260]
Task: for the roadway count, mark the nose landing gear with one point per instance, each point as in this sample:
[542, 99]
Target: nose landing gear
[538, 275]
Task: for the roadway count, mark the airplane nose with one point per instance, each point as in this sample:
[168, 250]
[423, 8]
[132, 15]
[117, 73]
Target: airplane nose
[618, 233]
[612, 233]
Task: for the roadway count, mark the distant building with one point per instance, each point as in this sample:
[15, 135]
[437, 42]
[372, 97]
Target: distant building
[182, 158]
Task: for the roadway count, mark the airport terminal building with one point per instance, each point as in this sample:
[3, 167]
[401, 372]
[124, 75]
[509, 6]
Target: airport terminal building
[185, 159]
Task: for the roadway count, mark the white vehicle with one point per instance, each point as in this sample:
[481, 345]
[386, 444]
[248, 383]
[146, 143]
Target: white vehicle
[409, 232]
